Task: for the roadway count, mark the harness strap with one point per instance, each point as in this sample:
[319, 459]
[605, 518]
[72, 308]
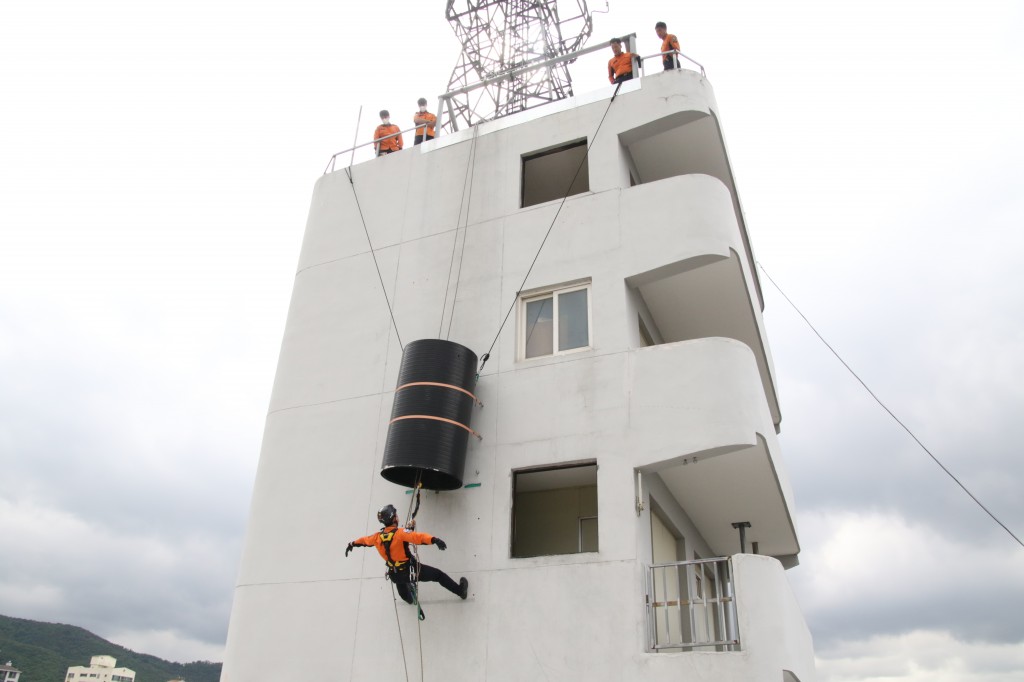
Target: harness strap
[439, 419]
[386, 539]
[435, 383]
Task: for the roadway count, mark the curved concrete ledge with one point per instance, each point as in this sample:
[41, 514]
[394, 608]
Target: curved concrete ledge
[709, 435]
[715, 399]
[704, 223]
[771, 625]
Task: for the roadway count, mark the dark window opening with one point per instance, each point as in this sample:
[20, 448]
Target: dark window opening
[547, 175]
[554, 511]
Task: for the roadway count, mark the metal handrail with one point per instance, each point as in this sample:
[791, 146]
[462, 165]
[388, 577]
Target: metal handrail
[695, 612]
[330, 164]
[444, 101]
[446, 98]
[679, 54]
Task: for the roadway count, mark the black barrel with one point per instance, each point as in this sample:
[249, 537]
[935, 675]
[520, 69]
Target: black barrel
[430, 420]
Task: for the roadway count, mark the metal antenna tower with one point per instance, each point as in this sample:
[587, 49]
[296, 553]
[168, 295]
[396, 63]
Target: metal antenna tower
[498, 36]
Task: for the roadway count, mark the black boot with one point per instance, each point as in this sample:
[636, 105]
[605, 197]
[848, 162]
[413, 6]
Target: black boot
[463, 588]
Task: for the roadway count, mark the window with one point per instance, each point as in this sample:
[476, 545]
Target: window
[554, 510]
[547, 174]
[539, 335]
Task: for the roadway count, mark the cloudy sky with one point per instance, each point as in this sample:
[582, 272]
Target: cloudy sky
[156, 165]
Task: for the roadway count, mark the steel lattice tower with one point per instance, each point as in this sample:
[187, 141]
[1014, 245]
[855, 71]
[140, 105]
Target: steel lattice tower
[499, 36]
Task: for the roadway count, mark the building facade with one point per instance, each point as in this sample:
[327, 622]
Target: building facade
[100, 669]
[629, 421]
[8, 673]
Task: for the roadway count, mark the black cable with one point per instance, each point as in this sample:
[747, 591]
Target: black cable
[462, 252]
[548, 233]
[470, 164]
[897, 419]
[373, 254]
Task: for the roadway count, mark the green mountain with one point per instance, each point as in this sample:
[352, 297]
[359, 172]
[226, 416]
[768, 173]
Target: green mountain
[43, 652]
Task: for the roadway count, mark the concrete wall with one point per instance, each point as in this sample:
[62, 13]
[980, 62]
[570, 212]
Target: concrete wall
[304, 611]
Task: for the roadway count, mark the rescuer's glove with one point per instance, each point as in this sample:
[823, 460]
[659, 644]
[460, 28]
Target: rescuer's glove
[349, 548]
[440, 544]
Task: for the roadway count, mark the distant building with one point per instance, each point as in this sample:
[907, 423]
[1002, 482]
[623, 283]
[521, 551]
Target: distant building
[101, 669]
[9, 673]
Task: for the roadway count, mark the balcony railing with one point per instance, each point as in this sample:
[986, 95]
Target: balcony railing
[691, 605]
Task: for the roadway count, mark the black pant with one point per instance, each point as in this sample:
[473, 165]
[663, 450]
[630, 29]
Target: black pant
[428, 574]
[419, 138]
[624, 77]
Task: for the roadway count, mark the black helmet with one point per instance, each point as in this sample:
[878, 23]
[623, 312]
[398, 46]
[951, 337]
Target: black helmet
[388, 515]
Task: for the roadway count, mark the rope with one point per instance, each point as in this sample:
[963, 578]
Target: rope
[419, 629]
[883, 406]
[410, 523]
[401, 640]
[550, 227]
[373, 254]
[470, 163]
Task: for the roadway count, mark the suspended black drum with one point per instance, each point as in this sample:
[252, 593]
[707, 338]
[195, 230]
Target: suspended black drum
[430, 420]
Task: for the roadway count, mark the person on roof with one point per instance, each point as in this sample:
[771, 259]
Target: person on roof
[386, 127]
[425, 120]
[392, 542]
[668, 42]
[620, 67]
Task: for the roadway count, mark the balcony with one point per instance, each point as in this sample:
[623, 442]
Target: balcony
[707, 435]
[740, 606]
[691, 605]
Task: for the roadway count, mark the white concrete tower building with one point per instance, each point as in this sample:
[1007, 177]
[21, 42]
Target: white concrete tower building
[630, 413]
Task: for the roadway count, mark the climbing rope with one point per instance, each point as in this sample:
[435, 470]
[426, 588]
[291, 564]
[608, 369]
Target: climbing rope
[890, 412]
[401, 640]
[373, 254]
[410, 524]
[487, 355]
[470, 166]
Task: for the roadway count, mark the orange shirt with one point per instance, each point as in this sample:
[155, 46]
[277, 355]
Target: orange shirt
[392, 143]
[619, 65]
[670, 43]
[398, 538]
[430, 125]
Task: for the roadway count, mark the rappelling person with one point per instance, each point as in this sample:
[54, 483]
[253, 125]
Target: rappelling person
[403, 570]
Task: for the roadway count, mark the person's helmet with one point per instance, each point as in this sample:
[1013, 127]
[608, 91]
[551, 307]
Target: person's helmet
[388, 515]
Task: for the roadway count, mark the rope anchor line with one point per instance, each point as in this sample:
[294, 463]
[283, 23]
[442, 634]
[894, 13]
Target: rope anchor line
[547, 234]
[890, 412]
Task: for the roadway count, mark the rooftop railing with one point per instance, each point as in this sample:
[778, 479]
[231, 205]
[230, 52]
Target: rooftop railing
[444, 102]
[330, 164]
[676, 54]
[691, 605]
